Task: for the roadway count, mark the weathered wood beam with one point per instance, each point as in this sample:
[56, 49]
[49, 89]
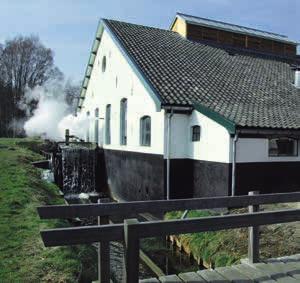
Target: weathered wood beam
[91, 234]
[82, 235]
[136, 207]
[203, 224]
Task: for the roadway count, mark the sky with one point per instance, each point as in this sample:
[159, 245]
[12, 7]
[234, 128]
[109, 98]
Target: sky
[68, 26]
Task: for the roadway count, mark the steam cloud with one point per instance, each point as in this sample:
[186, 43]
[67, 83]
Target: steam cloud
[52, 115]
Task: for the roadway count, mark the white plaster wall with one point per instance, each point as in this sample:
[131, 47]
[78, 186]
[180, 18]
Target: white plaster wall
[103, 90]
[214, 144]
[257, 150]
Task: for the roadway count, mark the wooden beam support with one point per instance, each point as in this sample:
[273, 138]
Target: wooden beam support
[136, 207]
[103, 250]
[253, 235]
[131, 247]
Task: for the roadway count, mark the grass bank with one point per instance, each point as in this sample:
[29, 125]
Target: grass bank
[226, 247]
[23, 257]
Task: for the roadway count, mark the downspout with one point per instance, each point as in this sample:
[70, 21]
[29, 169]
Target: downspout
[170, 115]
[233, 172]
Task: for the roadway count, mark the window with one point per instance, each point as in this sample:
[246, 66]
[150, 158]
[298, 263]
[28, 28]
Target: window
[88, 128]
[145, 131]
[103, 64]
[123, 121]
[96, 136]
[107, 124]
[283, 147]
[196, 131]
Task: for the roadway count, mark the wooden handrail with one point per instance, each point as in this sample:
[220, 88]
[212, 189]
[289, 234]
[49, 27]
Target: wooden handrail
[114, 232]
[158, 206]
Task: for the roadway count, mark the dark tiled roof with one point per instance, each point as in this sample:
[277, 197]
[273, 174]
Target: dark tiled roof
[249, 89]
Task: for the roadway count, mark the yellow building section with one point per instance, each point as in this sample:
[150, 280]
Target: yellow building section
[180, 26]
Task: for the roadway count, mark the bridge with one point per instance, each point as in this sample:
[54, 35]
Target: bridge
[283, 269]
[131, 231]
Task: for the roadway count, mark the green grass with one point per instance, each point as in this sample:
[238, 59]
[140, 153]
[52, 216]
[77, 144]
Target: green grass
[23, 257]
[219, 248]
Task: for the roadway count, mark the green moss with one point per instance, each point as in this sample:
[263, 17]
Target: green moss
[23, 257]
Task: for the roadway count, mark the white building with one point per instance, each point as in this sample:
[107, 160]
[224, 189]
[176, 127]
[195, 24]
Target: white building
[203, 109]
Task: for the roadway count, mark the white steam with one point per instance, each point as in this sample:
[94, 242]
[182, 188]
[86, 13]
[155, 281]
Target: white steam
[52, 114]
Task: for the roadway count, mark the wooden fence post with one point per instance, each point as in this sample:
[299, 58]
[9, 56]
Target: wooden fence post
[103, 250]
[253, 234]
[131, 249]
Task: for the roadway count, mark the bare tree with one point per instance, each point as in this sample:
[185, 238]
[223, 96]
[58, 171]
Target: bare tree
[24, 62]
[72, 93]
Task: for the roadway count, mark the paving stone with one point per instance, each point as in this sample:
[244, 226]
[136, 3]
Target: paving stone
[170, 279]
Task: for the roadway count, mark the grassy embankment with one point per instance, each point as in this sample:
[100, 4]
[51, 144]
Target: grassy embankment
[23, 257]
[226, 247]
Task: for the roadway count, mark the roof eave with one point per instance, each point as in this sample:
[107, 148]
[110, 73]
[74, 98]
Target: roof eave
[229, 125]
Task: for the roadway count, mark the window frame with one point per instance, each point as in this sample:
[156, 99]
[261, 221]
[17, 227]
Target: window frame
[144, 141]
[295, 149]
[193, 139]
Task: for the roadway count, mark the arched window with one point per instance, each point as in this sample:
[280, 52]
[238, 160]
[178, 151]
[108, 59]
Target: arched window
[88, 127]
[123, 121]
[145, 131]
[103, 64]
[96, 130]
[107, 124]
[196, 132]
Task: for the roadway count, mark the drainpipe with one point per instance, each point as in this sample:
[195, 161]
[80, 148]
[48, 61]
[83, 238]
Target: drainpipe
[170, 115]
[235, 139]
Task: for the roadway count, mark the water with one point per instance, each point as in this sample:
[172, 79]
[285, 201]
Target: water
[78, 169]
[47, 175]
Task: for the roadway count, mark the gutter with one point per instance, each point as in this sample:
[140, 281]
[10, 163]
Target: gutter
[233, 170]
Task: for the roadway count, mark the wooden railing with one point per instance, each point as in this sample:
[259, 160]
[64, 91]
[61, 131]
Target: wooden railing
[131, 231]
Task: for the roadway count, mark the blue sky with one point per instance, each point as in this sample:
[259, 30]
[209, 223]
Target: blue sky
[68, 26]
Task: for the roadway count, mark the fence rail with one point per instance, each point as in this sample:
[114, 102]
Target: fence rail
[157, 206]
[131, 231]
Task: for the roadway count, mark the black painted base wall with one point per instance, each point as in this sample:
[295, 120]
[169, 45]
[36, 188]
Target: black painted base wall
[134, 176]
[139, 176]
[268, 177]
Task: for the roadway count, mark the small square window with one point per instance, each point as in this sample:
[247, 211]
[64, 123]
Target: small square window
[196, 131]
[283, 147]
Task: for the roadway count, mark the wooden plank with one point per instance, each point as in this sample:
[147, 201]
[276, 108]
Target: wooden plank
[233, 275]
[203, 224]
[212, 276]
[91, 234]
[191, 277]
[276, 271]
[129, 208]
[170, 279]
[149, 280]
[82, 235]
[253, 273]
